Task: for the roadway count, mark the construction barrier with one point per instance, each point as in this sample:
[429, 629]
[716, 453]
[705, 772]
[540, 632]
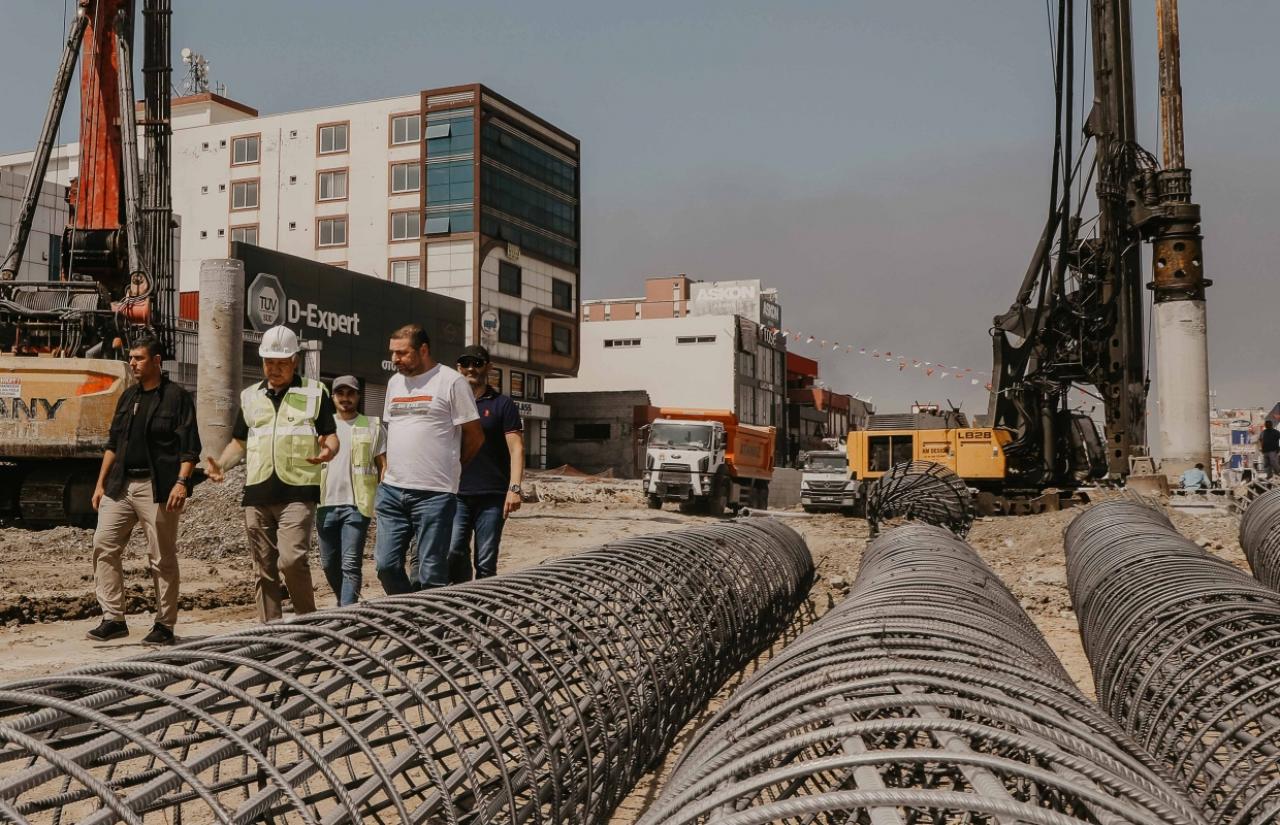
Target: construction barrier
[535, 697]
[1185, 650]
[927, 695]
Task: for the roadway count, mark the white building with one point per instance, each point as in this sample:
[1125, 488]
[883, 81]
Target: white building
[457, 190]
[44, 244]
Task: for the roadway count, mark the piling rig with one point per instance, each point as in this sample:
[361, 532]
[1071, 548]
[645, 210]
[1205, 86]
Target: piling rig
[64, 342]
[1077, 319]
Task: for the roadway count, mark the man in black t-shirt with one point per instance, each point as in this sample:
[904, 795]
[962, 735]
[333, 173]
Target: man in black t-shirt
[285, 431]
[489, 489]
[152, 449]
[1269, 444]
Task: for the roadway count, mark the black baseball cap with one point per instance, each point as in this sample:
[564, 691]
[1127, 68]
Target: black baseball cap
[475, 352]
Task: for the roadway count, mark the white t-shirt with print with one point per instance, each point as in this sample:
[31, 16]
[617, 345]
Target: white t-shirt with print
[424, 415]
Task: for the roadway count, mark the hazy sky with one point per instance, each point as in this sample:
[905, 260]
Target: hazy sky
[884, 164]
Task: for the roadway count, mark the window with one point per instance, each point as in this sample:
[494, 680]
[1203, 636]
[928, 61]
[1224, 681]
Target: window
[331, 185]
[592, 431]
[245, 234]
[245, 150]
[621, 343]
[509, 278]
[451, 182]
[517, 384]
[562, 295]
[405, 177]
[333, 138]
[695, 339]
[561, 339]
[222, 233]
[884, 452]
[533, 387]
[509, 329]
[406, 226]
[406, 129]
[495, 379]
[441, 223]
[331, 231]
[408, 273]
[608, 312]
[450, 133]
[244, 194]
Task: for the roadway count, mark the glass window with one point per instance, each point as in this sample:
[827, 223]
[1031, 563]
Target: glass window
[533, 387]
[451, 182]
[562, 251]
[517, 384]
[244, 194]
[509, 331]
[621, 343]
[437, 225]
[332, 231]
[405, 226]
[408, 273]
[450, 133]
[495, 378]
[695, 339]
[526, 158]
[592, 431]
[536, 205]
[333, 138]
[244, 234]
[509, 278]
[333, 185]
[561, 339]
[245, 149]
[406, 177]
[437, 130]
[562, 295]
[406, 129]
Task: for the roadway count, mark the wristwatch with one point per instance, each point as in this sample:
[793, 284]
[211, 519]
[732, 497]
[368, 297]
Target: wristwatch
[515, 488]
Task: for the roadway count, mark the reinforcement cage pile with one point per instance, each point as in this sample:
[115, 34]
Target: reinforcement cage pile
[536, 697]
[926, 696]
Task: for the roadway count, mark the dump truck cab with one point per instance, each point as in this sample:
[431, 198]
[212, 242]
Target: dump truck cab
[826, 483]
[705, 458]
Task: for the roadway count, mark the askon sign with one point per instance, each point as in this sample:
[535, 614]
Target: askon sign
[745, 298]
[267, 305]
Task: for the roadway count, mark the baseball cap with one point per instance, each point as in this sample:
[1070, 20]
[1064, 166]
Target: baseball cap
[476, 352]
[348, 381]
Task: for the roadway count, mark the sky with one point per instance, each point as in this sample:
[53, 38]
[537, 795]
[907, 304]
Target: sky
[883, 164]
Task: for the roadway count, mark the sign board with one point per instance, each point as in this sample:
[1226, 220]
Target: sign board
[528, 409]
[10, 386]
[349, 315]
[745, 298]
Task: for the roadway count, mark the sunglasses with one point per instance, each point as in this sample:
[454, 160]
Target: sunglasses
[470, 363]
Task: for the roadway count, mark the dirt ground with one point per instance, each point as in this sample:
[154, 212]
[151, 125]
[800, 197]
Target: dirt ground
[47, 602]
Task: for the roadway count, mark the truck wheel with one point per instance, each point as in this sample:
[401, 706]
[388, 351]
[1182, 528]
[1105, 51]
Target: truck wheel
[718, 501]
[809, 509]
[689, 506]
[654, 502]
[761, 500]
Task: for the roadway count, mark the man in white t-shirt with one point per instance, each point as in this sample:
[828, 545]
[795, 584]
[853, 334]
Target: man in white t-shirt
[432, 430]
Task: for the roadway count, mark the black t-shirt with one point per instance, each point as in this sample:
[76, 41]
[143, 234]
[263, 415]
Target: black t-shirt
[489, 473]
[273, 490]
[1270, 441]
[135, 452]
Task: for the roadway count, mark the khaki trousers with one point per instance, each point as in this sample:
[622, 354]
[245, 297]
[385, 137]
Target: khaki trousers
[116, 520]
[279, 538]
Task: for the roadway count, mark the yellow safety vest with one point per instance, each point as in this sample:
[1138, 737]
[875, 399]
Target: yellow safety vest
[281, 440]
[364, 472]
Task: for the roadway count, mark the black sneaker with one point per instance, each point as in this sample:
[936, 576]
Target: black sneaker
[107, 631]
[160, 635]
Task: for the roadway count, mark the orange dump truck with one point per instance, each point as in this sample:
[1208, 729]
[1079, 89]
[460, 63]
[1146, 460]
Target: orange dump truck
[705, 459]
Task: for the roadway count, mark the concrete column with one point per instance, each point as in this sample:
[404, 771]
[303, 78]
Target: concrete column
[220, 368]
[1182, 385]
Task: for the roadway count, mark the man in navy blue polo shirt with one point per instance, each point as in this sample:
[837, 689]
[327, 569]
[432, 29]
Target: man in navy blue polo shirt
[490, 487]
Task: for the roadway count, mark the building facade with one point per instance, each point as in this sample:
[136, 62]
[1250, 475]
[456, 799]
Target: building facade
[44, 245]
[600, 432]
[459, 191]
[815, 412]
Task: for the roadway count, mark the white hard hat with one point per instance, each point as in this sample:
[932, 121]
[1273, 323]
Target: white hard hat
[278, 342]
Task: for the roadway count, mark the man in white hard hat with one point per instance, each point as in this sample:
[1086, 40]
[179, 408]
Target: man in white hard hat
[286, 432]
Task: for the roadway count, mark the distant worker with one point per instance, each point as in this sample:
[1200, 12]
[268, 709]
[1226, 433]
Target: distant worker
[490, 487]
[285, 431]
[348, 485]
[1195, 479]
[1269, 444]
[432, 430]
[152, 449]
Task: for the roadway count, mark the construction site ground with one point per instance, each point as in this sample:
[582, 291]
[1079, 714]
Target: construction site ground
[47, 598]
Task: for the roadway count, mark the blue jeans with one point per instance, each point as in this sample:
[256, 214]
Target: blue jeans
[481, 515]
[403, 516]
[341, 532]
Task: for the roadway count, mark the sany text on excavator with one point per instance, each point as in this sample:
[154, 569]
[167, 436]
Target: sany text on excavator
[63, 344]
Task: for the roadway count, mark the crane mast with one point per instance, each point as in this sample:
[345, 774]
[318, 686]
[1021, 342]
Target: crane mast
[1077, 320]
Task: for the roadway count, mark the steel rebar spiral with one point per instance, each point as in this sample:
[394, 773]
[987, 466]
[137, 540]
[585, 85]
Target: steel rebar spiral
[536, 697]
[921, 491]
[926, 696]
[1185, 650]
[1260, 537]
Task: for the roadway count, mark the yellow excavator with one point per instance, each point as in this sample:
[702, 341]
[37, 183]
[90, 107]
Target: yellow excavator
[63, 343]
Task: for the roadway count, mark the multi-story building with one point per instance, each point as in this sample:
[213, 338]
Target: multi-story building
[44, 245]
[815, 412]
[457, 190]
